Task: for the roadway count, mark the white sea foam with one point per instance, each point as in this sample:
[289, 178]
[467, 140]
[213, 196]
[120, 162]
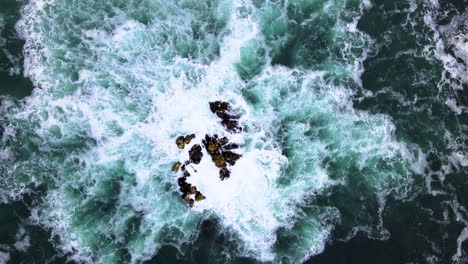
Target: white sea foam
[137, 97]
[4, 257]
[461, 238]
[6, 155]
[22, 240]
[450, 37]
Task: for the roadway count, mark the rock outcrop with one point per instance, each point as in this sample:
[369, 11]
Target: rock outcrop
[195, 154]
[176, 166]
[219, 149]
[224, 111]
[183, 140]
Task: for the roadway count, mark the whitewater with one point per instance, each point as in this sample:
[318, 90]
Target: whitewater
[116, 82]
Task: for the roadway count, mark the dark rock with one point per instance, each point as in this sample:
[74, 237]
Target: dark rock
[219, 106]
[222, 110]
[219, 160]
[181, 180]
[191, 202]
[185, 187]
[231, 146]
[189, 138]
[224, 173]
[176, 166]
[196, 154]
[185, 197]
[199, 197]
[223, 141]
[232, 125]
[231, 157]
[180, 142]
[192, 190]
[211, 144]
[186, 174]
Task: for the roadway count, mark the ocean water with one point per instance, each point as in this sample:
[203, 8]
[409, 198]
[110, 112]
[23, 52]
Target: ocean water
[354, 141]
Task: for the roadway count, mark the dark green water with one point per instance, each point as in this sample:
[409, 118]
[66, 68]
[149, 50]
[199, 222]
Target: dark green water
[354, 144]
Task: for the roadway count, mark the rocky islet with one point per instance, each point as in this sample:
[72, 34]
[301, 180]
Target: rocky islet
[219, 149]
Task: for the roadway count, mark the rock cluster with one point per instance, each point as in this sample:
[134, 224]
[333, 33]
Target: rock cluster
[196, 155]
[219, 150]
[224, 111]
[181, 141]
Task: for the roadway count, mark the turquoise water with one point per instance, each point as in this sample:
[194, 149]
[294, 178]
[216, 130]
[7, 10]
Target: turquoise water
[353, 143]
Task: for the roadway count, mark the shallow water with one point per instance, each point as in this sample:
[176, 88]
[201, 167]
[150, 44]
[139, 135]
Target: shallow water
[353, 142]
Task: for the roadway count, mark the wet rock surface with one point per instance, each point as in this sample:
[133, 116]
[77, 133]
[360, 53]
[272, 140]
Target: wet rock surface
[176, 166]
[195, 154]
[180, 142]
[224, 111]
[219, 149]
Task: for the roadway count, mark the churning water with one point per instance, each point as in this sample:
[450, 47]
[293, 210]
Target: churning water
[354, 129]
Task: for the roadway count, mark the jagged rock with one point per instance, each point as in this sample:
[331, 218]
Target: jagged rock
[231, 157]
[212, 147]
[185, 187]
[222, 109]
[224, 173]
[189, 138]
[192, 190]
[219, 106]
[176, 166]
[211, 144]
[219, 160]
[229, 120]
[180, 141]
[185, 197]
[217, 148]
[196, 154]
[232, 125]
[199, 197]
[230, 146]
[223, 141]
[181, 180]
